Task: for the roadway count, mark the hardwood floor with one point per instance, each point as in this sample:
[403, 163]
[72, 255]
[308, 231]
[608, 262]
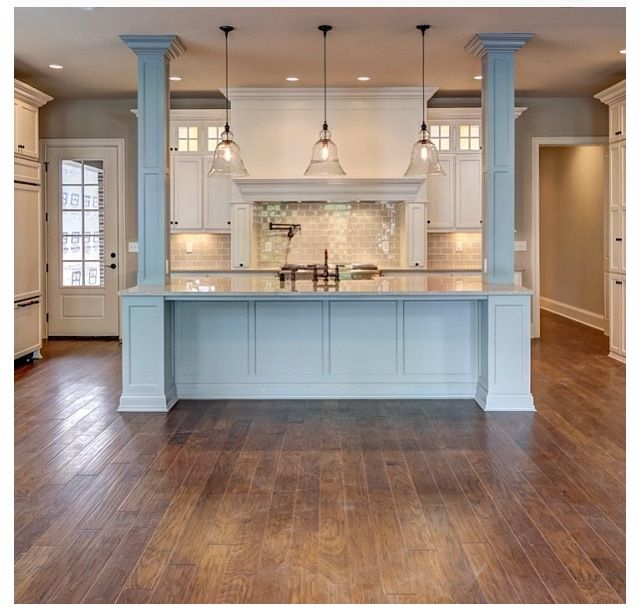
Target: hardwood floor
[321, 501]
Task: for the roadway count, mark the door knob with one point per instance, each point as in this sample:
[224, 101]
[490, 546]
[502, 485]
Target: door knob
[113, 255]
[112, 266]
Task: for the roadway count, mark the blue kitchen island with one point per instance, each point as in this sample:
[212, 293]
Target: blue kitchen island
[246, 335]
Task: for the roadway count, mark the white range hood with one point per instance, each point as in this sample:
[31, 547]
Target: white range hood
[329, 189]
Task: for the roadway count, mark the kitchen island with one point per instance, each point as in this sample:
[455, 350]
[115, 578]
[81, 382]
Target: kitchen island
[247, 335]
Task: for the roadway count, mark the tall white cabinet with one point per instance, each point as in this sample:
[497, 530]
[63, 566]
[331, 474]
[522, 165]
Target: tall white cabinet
[616, 280]
[28, 222]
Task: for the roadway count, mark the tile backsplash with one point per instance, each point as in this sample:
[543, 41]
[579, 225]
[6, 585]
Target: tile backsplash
[210, 252]
[442, 254]
[369, 232]
[353, 232]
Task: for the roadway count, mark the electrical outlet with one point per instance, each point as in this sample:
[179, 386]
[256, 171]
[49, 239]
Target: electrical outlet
[520, 245]
[189, 246]
[459, 246]
[133, 247]
[268, 246]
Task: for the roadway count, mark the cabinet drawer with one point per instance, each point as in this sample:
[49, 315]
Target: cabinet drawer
[26, 327]
[26, 170]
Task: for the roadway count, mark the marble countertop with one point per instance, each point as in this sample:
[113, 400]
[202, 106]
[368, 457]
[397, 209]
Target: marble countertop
[236, 284]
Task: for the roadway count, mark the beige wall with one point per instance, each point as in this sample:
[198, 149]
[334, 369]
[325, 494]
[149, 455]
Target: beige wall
[572, 183]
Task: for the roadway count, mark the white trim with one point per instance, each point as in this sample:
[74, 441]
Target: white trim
[28, 94]
[584, 317]
[536, 144]
[387, 92]
[192, 114]
[347, 189]
[462, 113]
[119, 144]
[614, 93]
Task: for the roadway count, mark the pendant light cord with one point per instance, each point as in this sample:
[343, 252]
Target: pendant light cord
[424, 125]
[226, 73]
[324, 37]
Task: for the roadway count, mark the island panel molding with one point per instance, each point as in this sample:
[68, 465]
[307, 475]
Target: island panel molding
[154, 54]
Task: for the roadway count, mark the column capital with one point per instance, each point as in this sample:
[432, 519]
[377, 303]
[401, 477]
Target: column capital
[169, 45]
[481, 44]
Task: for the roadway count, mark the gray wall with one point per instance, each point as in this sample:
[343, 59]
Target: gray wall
[545, 117]
[101, 118]
[548, 117]
[572, 196]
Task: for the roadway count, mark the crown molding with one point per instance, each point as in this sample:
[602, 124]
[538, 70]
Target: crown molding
[168, 45]
[480, 44]
[462, 113]
[192, 114]
[30, 95]
[614, 93]
[331, 189]
[405, 92]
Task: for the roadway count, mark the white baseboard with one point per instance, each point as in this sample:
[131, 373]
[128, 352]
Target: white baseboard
[584, 317]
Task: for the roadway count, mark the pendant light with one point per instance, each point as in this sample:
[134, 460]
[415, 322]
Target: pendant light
[226, 157]
[424, 154]
[324, 155]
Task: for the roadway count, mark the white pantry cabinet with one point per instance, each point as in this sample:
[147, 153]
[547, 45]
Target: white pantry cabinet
[615, 98]
[617, 316]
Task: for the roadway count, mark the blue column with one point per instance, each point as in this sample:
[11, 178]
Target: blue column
[498, 151]
[154, 54]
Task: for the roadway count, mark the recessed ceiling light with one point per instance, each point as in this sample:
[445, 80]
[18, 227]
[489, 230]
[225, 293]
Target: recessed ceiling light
[292, 79]
[175, 78]
[477, 77]
[363, 78]
[56, 66]
[623, 51]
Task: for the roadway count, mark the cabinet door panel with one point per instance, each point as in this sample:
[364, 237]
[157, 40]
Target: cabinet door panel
[416, 235]
[27, 256]
[26, 327]
[616, 240]
[469, 192]
[617, 312]
[241, 236]
[217, 199]
[26, 124]
[440, 196]
[186, 172]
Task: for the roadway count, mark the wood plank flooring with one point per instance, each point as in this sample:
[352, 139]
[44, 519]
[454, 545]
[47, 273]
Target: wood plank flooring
[321, 501]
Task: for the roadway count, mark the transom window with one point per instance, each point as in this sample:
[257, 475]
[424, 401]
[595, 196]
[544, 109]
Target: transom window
[469, 137]
[440, 135]
[187, 139]
[82, 221]
[214, 134]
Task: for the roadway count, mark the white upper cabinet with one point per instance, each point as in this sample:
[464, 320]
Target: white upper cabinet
[186, 192]
[440, 195]
[416, 243]
[617, 121]
[198, 202]
[26, 102]
[469, 191]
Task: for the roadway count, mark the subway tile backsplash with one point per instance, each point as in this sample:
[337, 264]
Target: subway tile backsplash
[210, 252]
[353, 232]
[365, 232]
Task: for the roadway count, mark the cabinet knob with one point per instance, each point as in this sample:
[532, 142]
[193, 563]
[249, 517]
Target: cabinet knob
[481, 221]
[228, 223]
[417, 263]
[428, 221]
[618, 239]
[241, 265]
[618, 282]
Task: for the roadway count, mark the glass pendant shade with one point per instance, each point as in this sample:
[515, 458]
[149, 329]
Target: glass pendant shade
[424, 158]
[227, 159]
[324, 157]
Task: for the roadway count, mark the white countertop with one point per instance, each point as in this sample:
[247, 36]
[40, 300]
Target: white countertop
[241, 284]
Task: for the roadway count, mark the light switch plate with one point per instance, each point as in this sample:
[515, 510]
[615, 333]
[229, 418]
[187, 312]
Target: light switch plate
[520, 245]
[459, 246]
[189, 246]
[133, 247]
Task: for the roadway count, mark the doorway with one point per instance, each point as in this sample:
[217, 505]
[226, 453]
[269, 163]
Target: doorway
[569, 253]
[84, 198]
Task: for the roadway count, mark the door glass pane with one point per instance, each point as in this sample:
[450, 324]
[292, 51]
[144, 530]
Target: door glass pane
[82, 223]
[469, 138]
[213, 137]
[187, 138]
[440, 136]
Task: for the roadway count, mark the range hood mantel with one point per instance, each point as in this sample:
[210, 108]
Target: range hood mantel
[346, 189]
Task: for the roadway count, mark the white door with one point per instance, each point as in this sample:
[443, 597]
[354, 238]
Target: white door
[82, 241]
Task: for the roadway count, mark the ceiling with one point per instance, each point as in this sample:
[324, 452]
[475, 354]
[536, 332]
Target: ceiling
[574, 51]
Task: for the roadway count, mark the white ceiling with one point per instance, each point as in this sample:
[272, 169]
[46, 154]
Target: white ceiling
[574, 51]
